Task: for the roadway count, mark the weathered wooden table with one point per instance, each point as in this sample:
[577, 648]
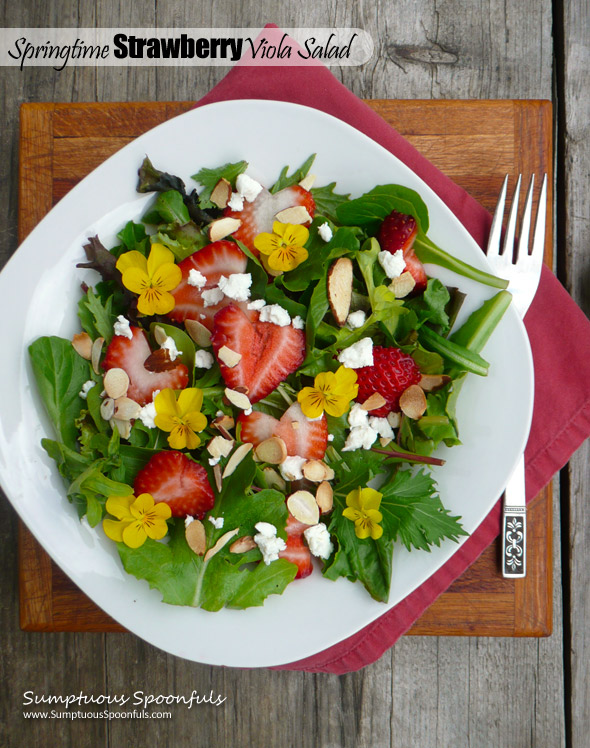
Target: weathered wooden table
[427, 691]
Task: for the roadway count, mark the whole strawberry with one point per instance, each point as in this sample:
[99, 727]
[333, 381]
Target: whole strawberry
[392, 372]
[399, 231]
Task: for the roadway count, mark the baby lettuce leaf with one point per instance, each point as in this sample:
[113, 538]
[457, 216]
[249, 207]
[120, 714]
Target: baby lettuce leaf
[168, 208]
[209, 178]
[327, 201]
[369, 210]
[413, 512]
[184, 578]
[154, 180]
[97, 318]
[60, 373]
[286, 180]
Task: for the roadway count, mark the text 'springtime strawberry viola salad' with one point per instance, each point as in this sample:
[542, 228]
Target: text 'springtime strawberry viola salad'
[262, 377]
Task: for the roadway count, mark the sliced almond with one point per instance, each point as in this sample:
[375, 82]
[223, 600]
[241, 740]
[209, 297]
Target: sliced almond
[402, 285]
[413, 401]
[273, 450]
[316, 471]
[221, 193]
[228, 357]
[219, 447]
[324, 497]
[223, 541]
[196, 537]
[126, 409]
[235, 459]
[160, 335]
[122, 426]
[116, 383]
[374, 401]
[107, 408]
[82, 344]
[243, 545]
[385, 440]
[218, 478]
[308, 182]
[296, 215]
[159, 361]
[432, 382]
[340, 289]
[223, 424]
[274, 480]
[223, 227]
[242, 388]
[394, 419]
[303, 507]
[239, 399]
[198, 332]
[96, 353]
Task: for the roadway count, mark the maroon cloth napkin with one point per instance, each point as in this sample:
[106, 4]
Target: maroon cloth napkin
[559, 333]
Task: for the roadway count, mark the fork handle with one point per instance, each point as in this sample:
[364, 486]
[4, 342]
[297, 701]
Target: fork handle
[514, 526]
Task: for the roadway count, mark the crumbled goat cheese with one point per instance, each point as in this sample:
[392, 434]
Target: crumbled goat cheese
[298, 323]
[325, 232]
[187, 520]
[358, 416]
[170, 346]
[358, 354]
[267, 541]
[217, 522]
[393, 264]
[356, 319]
[318, 540]
[236, 286]
[291, 467]
[276, 314]
[248, 187]
[212, 296]
[360, 436]
[257, 304]
[86, 387]
[236, 202]
[213, 461]
[203, 360]
[381, 426]
[330, 437]
[196, 279]
[147, 416]
[122, 327]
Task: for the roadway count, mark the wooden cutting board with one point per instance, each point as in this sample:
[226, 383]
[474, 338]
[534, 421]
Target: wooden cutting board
[473, 142]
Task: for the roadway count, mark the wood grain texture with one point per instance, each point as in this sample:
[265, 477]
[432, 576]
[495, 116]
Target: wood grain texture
[482, 603]
[427, 691]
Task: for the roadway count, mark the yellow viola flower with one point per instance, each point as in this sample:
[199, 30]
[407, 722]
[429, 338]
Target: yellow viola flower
[362, 508]
[283, 249]
[331, 392]
[137, 519]
[181, 418]
[152, 278]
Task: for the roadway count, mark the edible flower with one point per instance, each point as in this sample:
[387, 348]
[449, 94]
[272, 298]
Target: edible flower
[283, 249]
[152, 278]
[181, 418]
[362, 508]
[137, 519]
[331, 392]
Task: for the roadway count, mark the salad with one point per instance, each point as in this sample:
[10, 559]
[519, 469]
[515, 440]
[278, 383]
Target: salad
[261, 379]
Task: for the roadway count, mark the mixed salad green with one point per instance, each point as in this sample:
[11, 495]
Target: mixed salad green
[253, 539]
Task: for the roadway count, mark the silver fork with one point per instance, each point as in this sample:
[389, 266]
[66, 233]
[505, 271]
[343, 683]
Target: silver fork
[523, 269]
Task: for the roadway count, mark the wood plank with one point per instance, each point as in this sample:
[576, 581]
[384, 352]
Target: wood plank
[481, 602]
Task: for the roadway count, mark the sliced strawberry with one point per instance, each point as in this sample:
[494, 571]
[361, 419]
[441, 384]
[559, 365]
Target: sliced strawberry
[269, 352]
[180, 482]
[399, 231]
[392, 372]
[296, 551]
[130, 355]
[213, 261]
[301, 436]
[258, 216]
